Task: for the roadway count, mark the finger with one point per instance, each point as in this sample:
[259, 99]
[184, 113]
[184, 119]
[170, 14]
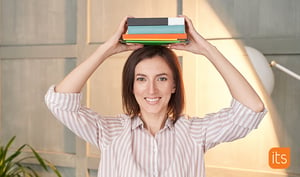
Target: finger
[191, 30]
[122, 26]
[178, 46]
[188, 22]
[130, 47]
[135, 46]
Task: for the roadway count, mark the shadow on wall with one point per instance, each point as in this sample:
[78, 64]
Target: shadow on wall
[268, 19]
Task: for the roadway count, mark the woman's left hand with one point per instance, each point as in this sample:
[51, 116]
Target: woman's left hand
[196, 44]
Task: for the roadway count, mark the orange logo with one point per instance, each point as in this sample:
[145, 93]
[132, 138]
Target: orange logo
[279, 158]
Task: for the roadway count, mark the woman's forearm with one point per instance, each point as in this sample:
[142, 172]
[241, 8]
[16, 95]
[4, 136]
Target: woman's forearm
[238, 86]
[76, 79]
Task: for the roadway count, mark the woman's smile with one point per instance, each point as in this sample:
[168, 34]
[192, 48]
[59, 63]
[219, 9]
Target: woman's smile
[152, 101]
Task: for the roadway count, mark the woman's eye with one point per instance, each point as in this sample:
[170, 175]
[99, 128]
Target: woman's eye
[140, 79]
[162, 78]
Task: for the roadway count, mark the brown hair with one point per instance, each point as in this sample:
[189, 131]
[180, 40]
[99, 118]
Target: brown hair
[176, 103]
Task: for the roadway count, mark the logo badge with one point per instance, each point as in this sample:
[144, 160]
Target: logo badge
[279, 157]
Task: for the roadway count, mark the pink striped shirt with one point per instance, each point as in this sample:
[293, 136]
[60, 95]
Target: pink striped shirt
[129, 150]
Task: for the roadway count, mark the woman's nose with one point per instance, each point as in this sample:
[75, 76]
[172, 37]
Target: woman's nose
[152, 87]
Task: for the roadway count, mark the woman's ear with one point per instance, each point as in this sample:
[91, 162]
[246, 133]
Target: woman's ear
[174, 89]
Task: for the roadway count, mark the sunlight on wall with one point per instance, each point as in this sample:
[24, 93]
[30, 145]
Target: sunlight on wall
[204, 89]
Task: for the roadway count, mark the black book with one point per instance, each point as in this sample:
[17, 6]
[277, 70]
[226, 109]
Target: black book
[155, 21]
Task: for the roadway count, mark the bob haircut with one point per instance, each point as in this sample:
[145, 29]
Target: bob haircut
[176, 102]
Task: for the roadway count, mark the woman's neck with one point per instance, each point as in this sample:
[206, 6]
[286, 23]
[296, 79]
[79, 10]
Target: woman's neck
[154, 122]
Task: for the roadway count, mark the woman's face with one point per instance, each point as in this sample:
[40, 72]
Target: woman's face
[153, 85]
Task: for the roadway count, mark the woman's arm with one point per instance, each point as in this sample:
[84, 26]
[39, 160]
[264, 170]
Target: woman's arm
[238, 86]
[76, 79]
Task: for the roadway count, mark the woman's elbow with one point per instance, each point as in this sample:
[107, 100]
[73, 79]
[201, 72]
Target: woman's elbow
[259, 107]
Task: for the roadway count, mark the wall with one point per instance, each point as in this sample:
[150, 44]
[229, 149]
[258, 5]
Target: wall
[271, 26]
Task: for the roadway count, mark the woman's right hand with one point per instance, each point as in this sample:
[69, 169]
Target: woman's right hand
[114, 45]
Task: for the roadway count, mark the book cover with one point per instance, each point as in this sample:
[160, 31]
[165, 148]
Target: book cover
[155, 21]
[174, 36]
[170, 29]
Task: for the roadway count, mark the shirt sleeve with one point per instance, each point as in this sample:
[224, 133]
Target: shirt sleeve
[85, 123]
[226, 125]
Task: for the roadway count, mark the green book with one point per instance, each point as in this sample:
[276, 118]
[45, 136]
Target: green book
[152, 42]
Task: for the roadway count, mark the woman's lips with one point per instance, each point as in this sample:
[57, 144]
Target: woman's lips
[152, 100]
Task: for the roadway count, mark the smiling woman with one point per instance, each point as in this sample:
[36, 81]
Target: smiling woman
[153, 138]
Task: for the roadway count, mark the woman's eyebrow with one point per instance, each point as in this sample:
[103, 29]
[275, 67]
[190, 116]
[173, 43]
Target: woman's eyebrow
[140, 74]
[145, 75]
[162, 74]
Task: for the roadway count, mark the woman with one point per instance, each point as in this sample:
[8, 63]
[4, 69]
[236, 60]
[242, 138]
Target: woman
[153, 138]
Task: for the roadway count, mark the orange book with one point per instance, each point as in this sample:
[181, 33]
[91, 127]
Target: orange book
[175, 36]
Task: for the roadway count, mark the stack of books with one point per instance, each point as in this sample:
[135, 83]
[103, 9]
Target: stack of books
[155, 31]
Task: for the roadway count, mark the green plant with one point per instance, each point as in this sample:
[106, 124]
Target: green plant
[14, 166]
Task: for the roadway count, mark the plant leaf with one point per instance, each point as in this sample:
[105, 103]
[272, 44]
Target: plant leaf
[15, 154]
[7, 146]
[10, 167]
[53, 168]
[44, 163]
[39, 158]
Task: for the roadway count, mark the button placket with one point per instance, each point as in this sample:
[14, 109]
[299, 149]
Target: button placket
[155, 152]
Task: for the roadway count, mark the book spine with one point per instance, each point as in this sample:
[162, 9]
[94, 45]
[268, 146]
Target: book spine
[154, 36]
[156, 29]
[158, 42]
[155, 21]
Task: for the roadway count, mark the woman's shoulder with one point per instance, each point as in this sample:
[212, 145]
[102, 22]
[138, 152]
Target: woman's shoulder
[119, 120]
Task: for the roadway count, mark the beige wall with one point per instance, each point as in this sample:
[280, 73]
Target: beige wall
[41, 41]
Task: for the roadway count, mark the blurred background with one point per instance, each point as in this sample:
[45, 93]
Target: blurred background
[43, 40]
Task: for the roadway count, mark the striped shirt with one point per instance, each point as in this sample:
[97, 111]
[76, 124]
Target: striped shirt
[129, 150]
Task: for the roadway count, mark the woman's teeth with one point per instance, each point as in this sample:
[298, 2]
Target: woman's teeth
[152, 99]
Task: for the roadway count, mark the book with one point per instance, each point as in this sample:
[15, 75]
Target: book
[155, 21]
[155, 31]
[153, 42]
[165, 29]
[174, 36]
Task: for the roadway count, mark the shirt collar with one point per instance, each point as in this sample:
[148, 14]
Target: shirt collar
[169, 123]
[137, 122]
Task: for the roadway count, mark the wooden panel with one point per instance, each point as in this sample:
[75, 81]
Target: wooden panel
[37, 22]
[248, 19]
[106, 90]
[24, 83]
[38, 51]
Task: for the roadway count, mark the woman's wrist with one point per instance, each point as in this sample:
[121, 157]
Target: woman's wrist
[103, 51]
[210, 51]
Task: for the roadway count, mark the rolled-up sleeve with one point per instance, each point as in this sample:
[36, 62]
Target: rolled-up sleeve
[67, 108]
[226, 125]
